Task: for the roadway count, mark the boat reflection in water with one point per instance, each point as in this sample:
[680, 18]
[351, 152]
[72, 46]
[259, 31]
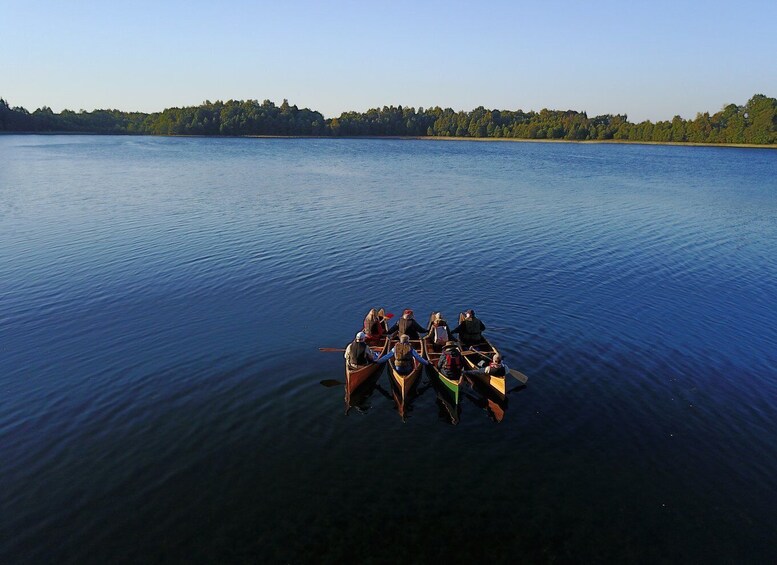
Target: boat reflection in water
[403, 402]
[359, 398]
[449, 409]
[488, 399]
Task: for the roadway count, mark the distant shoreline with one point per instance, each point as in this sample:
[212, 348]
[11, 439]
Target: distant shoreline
[417, 138]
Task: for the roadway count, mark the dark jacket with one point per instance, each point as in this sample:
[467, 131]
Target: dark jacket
[453, 371]
[409, 327]
[470, 330]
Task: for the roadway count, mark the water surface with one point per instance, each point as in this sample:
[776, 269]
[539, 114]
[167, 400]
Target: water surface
[162, 302]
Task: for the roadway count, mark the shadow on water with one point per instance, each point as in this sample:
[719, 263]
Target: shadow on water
[486, 398]
[359, 399]
[448, 409]
[405, 406]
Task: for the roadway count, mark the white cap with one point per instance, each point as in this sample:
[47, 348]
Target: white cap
[360, 336]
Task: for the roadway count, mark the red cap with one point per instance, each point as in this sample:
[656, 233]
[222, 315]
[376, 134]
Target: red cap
[407, 311]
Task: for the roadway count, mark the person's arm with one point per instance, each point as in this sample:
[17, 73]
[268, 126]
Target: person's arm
[482, 326]
[386, 357]
[419, 328]
[347, 351]
[456, 330]
[418, 357]
[392, 329]
[371, 354]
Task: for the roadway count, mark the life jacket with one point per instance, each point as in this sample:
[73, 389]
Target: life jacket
[440, 334]
[470, 331]
[402, 355]
[357, 355]
[496, 370]
[452, 363]
[403, 326]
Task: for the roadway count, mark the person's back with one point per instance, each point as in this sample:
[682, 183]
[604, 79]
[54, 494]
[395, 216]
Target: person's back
[403, 357]
[450, 363]
[407, 326]
[358, 353]
[373, 325]
[470, 329]
[440, 335]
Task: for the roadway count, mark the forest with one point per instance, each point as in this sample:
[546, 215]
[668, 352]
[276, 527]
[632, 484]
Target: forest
[753, 123]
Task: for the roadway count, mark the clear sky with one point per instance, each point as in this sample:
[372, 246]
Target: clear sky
[650, 60]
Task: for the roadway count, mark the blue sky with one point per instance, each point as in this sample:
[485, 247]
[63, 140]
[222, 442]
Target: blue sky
[650, 60]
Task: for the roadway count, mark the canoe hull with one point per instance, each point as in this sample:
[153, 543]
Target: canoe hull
[355, 377]
[449, 387]
[486, 352]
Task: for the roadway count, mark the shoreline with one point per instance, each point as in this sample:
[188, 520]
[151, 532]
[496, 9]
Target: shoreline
[418, 138]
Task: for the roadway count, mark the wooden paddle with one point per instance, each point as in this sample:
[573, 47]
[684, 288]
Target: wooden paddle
[518, 375]
[523, 379]
[332, 349]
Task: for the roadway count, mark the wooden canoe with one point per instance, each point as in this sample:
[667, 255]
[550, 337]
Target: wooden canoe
[484, 352]
[355, 377]
[404, 383]
[451, 386]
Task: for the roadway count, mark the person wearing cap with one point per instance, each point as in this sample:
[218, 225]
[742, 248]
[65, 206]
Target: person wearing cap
[358, 353]
[439, 331]
[403, 354]
[451, 362]
[470, 329]
[495, 368]
[407, 326]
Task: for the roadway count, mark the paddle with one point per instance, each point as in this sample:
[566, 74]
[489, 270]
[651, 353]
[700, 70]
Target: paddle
[523, 379]
[518, 375]
[332, 349]
[331, 382]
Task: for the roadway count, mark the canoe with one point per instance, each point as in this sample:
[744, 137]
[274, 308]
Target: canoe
[404, 383]
[355, 377]
[359, 398]
[452, 387]
[484, 352]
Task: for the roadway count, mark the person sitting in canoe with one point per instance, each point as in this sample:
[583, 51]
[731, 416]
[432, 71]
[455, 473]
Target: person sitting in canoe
[407, 326]
[451, 362]
[470, 329]
[403, 354]
[358, 353]
[495, 368]
[439, 331]
[374, 324]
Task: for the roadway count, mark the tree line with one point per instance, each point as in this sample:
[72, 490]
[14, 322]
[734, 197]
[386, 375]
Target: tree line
[755, 123]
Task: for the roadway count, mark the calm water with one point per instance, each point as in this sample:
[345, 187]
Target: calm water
[162, 302]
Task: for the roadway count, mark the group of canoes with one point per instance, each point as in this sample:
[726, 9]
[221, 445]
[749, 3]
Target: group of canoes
[407, 347]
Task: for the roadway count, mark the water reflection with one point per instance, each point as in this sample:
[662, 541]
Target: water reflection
[403, 402]
[487, 398]
[359, 398]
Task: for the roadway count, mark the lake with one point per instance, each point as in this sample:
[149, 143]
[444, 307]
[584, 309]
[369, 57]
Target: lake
[162, 302]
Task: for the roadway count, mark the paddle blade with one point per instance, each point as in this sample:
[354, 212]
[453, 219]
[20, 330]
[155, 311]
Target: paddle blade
[388, 315]
[520, 376]
[331, 382]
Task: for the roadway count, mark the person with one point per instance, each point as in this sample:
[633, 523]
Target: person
[358, 353]
[374, 325]
[495, 368]
[439, 331]
[403, 354]
[450, 362]
[470, 329]
[407, 326]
